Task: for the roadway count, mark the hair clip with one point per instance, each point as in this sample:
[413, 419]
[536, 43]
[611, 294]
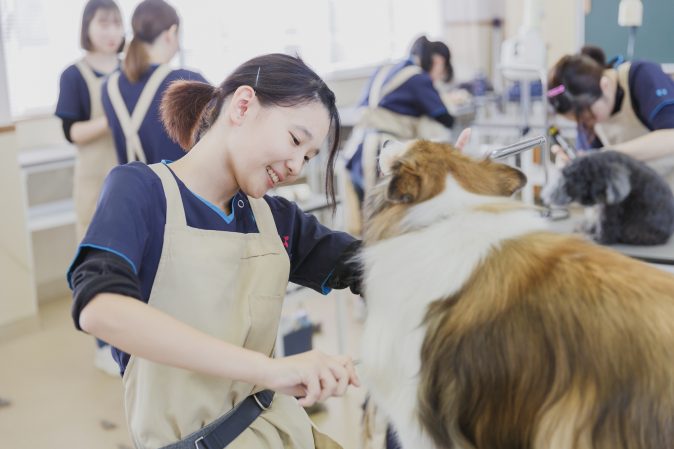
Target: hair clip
[556, 91]
[257, 78]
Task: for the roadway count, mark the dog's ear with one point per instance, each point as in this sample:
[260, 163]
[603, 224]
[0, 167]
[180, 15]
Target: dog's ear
[405, 184]
[618, 184]
[510, 179]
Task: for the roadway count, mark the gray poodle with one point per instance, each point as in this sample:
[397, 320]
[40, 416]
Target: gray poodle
[635, 206]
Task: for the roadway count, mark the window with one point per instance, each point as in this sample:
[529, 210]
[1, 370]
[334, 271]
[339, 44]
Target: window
[41, 37]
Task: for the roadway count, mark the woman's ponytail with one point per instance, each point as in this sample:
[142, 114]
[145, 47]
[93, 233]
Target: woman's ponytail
[149, 20]
[185, 106]
[137, 61]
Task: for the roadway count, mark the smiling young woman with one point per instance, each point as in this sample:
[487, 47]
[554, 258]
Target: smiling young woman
[186, 264]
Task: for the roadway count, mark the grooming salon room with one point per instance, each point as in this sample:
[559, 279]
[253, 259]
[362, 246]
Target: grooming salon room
[381, 224]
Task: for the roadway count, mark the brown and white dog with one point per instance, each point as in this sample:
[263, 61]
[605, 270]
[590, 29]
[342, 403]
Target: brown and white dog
[485, 330]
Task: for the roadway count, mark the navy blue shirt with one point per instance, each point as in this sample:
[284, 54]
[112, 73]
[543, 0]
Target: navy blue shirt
[652, 92]
[74, 102]
[156, 142]
[415, 97]
[652, 97]
[131, 214]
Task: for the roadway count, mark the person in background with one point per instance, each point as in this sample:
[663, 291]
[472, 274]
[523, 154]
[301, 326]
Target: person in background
[396, 101]
[131, 97]
[80, 109]
[186, 264]
[627, 107]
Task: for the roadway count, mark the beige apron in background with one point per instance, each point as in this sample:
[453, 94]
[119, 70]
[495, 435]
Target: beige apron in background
[375, 126]
[94, 159]
[625, 126]
[231, 286]
[131, 123]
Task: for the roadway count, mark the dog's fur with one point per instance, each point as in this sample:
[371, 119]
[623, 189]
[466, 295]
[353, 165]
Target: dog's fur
[486, 331]
[634, 204]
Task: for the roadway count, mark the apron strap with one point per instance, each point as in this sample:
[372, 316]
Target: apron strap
[131, 123]
[380, 89]
[87, 73]
[263, 216]
[175, 211]
[94, 86]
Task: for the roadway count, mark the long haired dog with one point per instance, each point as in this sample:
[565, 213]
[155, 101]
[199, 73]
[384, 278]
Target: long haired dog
[634, 204]
[486, 331]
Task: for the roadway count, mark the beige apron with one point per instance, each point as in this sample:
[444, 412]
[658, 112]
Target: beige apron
[375, 126]
[625, 126]
[131, 123]
[231, 286]
[94, 159]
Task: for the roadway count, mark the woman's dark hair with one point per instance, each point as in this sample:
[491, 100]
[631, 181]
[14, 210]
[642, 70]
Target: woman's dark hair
[189, 108]
[88, 15]
[423, 50]
[149, 20]
[575, 83]
[595, 53]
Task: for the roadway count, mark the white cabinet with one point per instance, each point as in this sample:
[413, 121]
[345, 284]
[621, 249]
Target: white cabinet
[47, 175]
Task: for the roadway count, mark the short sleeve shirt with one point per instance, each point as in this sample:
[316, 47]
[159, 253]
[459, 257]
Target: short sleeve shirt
[74, 101]
[652, 95]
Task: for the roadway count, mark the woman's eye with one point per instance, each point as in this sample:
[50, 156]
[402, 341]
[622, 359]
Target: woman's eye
[296, 141]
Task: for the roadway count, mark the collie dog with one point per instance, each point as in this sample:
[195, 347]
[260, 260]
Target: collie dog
[485, 330]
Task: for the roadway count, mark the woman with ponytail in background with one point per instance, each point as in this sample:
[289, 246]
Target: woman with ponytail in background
[186, 265]
[622, 106]
[131, 97]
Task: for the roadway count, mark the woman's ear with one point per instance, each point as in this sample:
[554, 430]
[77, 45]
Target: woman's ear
[242, 102]
[170, 35]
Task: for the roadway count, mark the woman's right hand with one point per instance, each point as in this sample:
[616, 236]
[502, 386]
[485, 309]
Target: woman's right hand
[311, 376]
[561, 159]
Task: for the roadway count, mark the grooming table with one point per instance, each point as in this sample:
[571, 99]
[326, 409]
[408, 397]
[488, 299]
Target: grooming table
[659, 255]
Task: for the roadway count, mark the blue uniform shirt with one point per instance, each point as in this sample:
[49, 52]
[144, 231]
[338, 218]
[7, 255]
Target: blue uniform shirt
[131, 214]
[156, 142]
[415, 97]
[652, 97]
[74, 102]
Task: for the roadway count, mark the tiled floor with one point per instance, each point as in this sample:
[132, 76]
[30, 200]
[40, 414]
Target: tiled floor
[58, 400]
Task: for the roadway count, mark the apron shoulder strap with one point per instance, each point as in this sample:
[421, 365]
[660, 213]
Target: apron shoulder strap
[131, 122]
[134, 148]
[88, 74]
[175, 211]
[377, 85]
[623, 75]
[380, 89]
[148, 94]
[263, 216]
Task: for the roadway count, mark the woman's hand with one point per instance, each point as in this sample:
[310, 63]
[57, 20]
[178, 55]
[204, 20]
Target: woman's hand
[561, 158]
[311, 376]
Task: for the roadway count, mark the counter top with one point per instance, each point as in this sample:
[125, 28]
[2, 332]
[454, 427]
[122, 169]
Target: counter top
[657, 254]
